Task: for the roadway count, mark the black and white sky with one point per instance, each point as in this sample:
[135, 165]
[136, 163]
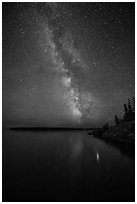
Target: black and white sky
[67, 64]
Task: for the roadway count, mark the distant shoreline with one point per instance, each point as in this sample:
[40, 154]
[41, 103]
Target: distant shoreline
[48, 128]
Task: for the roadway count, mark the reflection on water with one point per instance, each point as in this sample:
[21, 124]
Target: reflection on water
[97, 156]
[64, 166]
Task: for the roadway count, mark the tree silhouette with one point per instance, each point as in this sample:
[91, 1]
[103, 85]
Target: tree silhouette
[116, 120]
[129, 106]
[133, 103]
[105, 127]
[125, 109]
[129, 112]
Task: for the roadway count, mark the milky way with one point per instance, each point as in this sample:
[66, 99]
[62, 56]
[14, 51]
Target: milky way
[67, 63]
[77, 102]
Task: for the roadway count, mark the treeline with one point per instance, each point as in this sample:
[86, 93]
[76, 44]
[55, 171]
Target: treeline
[129, 114]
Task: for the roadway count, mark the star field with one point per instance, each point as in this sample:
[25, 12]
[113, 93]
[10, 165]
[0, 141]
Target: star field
[67, 64]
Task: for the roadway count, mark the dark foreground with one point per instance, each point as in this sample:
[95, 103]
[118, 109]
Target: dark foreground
[65, 166]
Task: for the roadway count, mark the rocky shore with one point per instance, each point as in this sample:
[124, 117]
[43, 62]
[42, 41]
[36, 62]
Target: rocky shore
[123, 132]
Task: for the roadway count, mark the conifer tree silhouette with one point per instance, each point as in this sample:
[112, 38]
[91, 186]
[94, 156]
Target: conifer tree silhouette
[125, 109]
[133, 103]
[116, 120]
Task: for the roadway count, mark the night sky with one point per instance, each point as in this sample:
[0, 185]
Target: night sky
[67, 64]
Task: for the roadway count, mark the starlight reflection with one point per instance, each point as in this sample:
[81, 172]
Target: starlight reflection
[98, 157]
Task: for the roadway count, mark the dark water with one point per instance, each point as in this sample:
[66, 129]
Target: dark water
[64, 166]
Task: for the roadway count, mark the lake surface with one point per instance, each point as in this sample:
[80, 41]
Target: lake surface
[64, 166]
